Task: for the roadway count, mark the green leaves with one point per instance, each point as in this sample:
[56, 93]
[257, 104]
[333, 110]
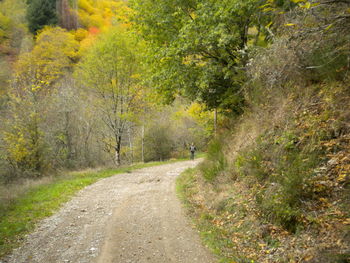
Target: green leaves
[195, 48]
[41, 13]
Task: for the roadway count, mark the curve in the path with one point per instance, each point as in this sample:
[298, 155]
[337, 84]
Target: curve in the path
[126, 218]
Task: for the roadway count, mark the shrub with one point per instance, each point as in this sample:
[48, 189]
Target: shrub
[215, 162]
[158, 144]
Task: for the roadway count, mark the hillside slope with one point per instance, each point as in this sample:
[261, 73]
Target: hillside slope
[278, 191]
[276, 184]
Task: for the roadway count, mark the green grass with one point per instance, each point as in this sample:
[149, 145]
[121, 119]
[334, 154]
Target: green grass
[20, 216]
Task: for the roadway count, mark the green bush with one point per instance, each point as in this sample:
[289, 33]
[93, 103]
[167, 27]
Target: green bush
[158, 144]
[215, 162]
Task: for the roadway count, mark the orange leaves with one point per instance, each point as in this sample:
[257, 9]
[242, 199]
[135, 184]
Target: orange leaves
[94, 30]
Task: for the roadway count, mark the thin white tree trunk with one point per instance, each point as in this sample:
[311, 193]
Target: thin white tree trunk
[142, 143]
[117, 158]
[215, 120]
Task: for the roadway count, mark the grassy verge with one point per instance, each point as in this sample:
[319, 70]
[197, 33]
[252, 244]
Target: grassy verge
[215, 238]
[19, 216]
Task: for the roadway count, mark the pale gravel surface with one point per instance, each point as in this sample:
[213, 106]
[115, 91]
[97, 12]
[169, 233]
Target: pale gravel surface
[126, 218]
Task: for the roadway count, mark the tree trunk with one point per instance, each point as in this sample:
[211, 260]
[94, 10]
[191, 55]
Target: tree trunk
[117, 157]
[131, 146]
[35, 138]
[215, 120]
[68, 138]
[117, 149]
[86, 146]
[143, 144]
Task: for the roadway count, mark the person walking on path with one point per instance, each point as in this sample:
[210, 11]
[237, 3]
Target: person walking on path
[192, 150]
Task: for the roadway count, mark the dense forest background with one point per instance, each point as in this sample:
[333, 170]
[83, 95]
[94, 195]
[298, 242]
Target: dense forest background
[73, 92]
[97, 83]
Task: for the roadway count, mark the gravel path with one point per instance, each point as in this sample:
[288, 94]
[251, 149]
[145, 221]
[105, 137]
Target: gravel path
[126, 218]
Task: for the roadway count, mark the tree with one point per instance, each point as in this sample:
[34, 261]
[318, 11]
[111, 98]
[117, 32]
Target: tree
[67, 17]
[198, 48]
[55, 52]
[36, 73]
[41, 13]
[158, 143]
[12, 33]
[110, 71]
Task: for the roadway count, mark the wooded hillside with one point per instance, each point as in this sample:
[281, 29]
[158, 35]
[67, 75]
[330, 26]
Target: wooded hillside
[74, 95]
[262, 85]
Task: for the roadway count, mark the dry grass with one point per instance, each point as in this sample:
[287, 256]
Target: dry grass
[10, 192]
[255, 122]
[231, 224]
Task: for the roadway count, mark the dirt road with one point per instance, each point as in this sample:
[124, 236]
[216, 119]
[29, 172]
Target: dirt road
[126, 218]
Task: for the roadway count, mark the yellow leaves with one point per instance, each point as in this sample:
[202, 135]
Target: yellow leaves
[264, 6]
[35, 88]
[269, 24]
[80, 34]
[307, 5]
[308, 258]
[114, 82]
[16, 145]
[101, 13]
[269, 6]
[86, 6]
[55, 51]
[290, 24]
[328, 27]
[323, 200]
[136, 76]
[315, 4]
[268, 9]
[5, 23]
[341, 178]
